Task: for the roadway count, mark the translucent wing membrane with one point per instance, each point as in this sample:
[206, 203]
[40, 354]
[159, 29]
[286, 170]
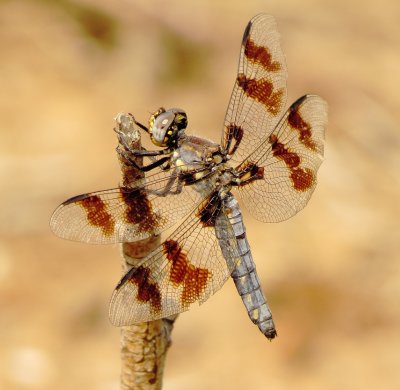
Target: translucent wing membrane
[259, 94]
[287, 162]
[186, 269]
[125, 214]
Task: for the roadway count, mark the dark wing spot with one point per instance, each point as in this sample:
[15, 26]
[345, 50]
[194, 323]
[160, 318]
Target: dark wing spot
[261, 55]
[233, 132]
[262, 91]
[139, 209]
[249, 172]
[210, 209]
[195, 283]
[96, 213]
[279, 150]
[174, 254]
[194, 279]
[298, 123]
[148, 292]
[302, 179]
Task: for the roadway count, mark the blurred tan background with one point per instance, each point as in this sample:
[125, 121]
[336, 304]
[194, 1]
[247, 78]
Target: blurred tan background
[331, 274]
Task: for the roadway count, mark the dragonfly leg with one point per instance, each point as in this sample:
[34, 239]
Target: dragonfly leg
[167, 189]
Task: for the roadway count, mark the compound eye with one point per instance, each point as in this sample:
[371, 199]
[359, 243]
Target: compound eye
[161, 126]
[180, 118]
[164, 120]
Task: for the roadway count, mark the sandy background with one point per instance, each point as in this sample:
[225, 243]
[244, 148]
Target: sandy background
[332, 273]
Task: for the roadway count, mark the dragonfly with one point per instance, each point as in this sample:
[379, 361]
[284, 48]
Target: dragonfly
[267, 157]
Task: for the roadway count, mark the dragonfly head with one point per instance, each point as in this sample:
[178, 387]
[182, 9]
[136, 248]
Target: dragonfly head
[165, 126]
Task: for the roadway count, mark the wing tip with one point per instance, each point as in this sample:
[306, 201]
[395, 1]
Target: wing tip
[247, 32]
[74, 199]
[255, 19]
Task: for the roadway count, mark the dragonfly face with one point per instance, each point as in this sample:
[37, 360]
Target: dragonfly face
[165, 127]
[270, 156]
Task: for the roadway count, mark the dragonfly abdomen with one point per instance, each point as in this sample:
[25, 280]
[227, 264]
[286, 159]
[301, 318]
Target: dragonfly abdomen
[245, 275]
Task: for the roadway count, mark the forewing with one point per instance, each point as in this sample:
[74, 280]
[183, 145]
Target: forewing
[187, 268]
[259, 94]
[282, 171]
[124, 214]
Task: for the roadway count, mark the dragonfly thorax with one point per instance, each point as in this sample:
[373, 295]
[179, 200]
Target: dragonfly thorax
[165, 126]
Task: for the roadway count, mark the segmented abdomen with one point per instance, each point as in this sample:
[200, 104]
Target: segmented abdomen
[245, 275]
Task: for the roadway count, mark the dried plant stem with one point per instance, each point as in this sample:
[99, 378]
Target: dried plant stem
[143, 346]
[143, 349]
